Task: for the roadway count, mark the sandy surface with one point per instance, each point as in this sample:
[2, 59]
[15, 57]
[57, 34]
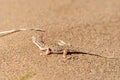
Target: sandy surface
[93, 27]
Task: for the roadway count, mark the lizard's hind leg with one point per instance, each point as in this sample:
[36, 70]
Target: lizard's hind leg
[65, 52]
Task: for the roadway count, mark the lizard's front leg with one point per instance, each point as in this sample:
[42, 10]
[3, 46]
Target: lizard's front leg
[48, 51]
[43, 49]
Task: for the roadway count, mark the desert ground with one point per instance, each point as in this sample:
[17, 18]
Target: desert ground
[90, 26]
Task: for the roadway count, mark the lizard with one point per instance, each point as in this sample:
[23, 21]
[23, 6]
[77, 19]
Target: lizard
[59, 47]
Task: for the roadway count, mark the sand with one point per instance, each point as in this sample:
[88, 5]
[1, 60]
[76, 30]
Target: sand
[90, 26]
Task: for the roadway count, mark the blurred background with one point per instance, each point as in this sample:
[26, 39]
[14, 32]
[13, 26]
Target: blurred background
[91, 26]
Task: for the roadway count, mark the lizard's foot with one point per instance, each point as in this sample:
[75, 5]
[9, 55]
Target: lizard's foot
[48, 51]
[65, 54]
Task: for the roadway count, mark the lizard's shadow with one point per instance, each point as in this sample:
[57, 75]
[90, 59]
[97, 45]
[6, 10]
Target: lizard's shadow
[91, 54]
[85, 53]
